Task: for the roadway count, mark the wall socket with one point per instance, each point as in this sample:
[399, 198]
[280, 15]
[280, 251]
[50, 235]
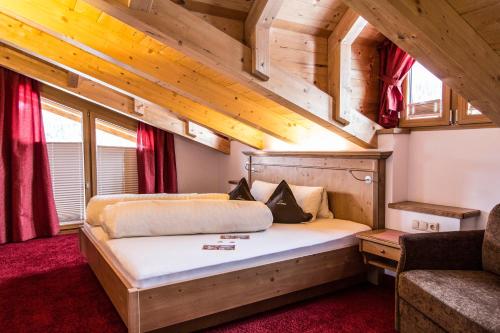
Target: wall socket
[425, 226]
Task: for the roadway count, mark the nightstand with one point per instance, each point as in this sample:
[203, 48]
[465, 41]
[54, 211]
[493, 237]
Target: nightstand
[380, 248]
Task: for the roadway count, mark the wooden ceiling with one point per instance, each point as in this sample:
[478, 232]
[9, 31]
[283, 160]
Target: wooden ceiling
[190, 62]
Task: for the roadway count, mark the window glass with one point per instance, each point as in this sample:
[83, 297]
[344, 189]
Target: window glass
[116, 159]
[424, 94]
[64, 134]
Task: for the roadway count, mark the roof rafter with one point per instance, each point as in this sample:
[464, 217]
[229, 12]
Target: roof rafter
[39, 43]
[179, 29]
[438, 37]
[104, 96]
[112, 41]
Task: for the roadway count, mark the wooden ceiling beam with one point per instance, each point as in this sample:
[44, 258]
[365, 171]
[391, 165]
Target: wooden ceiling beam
[144, 5]
[339, 62]
[439, 38]
[38, 43]
[104, 96]
[257, 26]
[113, 42]
[181, 30]
[222, 8]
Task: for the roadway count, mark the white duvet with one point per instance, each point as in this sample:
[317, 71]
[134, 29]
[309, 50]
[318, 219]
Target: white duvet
[184, 217]
[98, 203]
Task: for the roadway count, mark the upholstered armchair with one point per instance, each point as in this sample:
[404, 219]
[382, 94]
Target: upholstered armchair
[450, 281]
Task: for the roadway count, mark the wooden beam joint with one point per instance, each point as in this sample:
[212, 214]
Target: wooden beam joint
[257, 26]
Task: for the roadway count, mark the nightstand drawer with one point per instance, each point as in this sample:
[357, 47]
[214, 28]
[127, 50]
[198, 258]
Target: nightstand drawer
[381, 250]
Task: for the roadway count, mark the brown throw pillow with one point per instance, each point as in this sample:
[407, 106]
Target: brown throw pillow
[284, 207]
[241, 191]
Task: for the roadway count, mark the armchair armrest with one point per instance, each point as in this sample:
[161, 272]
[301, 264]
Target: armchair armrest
[441, 250]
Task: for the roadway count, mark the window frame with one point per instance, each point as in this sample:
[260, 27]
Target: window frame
[90, 112]
[463, 118]
[443, 120]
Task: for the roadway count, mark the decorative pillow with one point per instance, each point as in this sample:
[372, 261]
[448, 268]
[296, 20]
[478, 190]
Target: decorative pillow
[241, 191]
[312, 199]
[284, 207]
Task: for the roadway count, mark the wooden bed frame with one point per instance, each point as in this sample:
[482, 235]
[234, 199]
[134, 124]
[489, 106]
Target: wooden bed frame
[203, 302]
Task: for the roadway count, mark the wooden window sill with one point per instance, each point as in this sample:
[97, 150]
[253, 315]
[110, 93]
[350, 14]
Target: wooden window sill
[70, 228]
[439, 210]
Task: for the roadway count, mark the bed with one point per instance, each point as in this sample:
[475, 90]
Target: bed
[169, 282]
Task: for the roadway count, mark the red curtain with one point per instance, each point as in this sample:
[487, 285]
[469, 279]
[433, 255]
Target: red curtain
[394, 66]
[27, 207]
[156, 160]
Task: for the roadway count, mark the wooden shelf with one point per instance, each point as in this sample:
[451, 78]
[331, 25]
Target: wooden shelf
[363, 154]
[439, 210]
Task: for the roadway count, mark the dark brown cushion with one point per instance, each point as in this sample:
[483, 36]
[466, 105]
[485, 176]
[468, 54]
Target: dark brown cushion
[284, 207]
[241, 191]
[491, 243]
[456, 300]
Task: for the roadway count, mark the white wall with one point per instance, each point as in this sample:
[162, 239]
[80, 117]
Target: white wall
[450, 167]
[456, 168]
[199, 168]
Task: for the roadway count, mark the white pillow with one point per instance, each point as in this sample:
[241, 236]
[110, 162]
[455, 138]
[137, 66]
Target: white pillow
[308, 198]
[324, 211]
[261, 191]
[312, 199]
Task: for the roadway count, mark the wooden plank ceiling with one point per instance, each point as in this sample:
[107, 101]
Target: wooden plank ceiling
[176, 60]
[458, 40]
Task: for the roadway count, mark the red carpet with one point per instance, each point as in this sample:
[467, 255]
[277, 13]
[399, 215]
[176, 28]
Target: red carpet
[46, 286]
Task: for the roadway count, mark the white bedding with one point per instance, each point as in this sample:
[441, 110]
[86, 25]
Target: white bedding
[150, 261]
[184, 217]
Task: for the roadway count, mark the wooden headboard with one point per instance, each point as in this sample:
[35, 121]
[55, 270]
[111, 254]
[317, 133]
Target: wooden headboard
[341, 173]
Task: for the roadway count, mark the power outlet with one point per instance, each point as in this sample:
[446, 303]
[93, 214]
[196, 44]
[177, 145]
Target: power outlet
[419, 225]
[433, 226]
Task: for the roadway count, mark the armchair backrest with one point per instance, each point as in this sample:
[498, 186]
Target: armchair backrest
[491, 242]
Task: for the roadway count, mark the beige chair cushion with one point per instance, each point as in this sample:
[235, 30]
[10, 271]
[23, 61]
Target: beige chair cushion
[491, 243]
[457, 301]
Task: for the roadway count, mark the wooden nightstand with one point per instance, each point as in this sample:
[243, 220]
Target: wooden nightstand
[380, 248]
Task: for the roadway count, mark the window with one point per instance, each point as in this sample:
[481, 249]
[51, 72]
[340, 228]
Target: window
[116, 159]
[468, 114]
[426, 99]
[92, 150]
[429, 102]
[64, 133]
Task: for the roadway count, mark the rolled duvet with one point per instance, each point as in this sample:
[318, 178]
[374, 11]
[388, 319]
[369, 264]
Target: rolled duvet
[96, 205]
[185, 217]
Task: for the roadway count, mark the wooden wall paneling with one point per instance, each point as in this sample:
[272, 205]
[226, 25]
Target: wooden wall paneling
[123, 46]
[445, 43]
[339, 63]
[209, 46]
[102, 95]
[257, 26]
[350, 198]
[37, 42]
[301, 54]
[317, 18]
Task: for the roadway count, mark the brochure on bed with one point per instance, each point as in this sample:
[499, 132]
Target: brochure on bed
[150, 261]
